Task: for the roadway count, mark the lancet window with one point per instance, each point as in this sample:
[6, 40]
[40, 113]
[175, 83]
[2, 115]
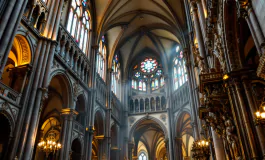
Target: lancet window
[142, 156]
[78, 24]
[115, 75]
[179, 72]
[101, 58]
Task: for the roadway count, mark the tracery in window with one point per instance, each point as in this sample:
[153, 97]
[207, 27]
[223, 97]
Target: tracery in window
[101, 59]
[78, 24]
[142, 156]
[148, 65]
[147, 74]
[179, 72]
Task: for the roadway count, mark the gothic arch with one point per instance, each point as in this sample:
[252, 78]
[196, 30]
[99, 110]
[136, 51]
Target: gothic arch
[66, 82]
[163, 127]
[77, 149]
[179, 121]
[21, 51]
[10, 120]
[99, 118]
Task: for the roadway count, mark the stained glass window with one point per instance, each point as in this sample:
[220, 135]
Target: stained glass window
[101, 58]
[133, 84]
[162, 81]
[144, 86]
[142, 156]
[177, 49]
[140, 85]
[116, 76]
[159, 72]
[147, 74]
[180, 75]
[148, 65]
[156, 83]
[137, 74]
[153, 85]
[78, 23]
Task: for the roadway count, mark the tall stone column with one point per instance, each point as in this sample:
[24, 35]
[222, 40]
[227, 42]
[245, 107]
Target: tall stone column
[199, 33]
[245, 119]
[89, 137]
[68, 116]
[10, 20]
[218, 146]
[259, 130]
[178, 141]
[130, 150]
[108, 114]
[202, 17]
[170, 136]
[192, 102]
[92, 84]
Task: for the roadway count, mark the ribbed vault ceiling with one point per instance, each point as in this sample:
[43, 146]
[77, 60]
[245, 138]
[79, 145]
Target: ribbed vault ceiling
[136, 26]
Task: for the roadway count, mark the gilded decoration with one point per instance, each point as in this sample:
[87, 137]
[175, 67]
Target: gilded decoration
[215, 110]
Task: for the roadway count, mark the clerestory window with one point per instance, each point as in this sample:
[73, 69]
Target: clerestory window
[78, 24]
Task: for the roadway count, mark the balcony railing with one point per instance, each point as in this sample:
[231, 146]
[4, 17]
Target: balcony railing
[149, 103]
[9, 93]
[71, 55]
[181, 96]
[116, 107]
[101, 91]
[78, 127]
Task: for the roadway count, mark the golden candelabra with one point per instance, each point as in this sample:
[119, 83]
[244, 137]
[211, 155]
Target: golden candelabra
[200, 149]
[49, 145]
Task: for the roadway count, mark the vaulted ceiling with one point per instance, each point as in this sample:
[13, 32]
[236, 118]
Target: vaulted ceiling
[134, 27]
[150, 137]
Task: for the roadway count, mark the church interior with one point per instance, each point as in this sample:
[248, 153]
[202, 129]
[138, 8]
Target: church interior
[132, 80]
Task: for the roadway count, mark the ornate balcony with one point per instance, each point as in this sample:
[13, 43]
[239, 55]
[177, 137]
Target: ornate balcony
[147, 103]
[71, 56]
[10, 94]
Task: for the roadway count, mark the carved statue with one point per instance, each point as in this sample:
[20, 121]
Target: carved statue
[218, 51]
[232, 139]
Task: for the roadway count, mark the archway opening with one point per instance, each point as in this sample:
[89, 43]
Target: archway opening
[97, 143]
[80, 108]
[149, 140]
[16, 68]
[4, 136]
[50, 119]
[184, 136]
[76, 150]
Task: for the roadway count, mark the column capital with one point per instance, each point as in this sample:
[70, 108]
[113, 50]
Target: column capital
[68, 112]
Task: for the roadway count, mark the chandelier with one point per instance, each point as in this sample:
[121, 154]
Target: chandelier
[50, 145]
[200, 150]
[260, 115]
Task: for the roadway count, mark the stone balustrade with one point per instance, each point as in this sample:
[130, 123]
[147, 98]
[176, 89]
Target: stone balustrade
[9, 93]
[72, 56]
[181, 96]
[101, 88]
[148, 103]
